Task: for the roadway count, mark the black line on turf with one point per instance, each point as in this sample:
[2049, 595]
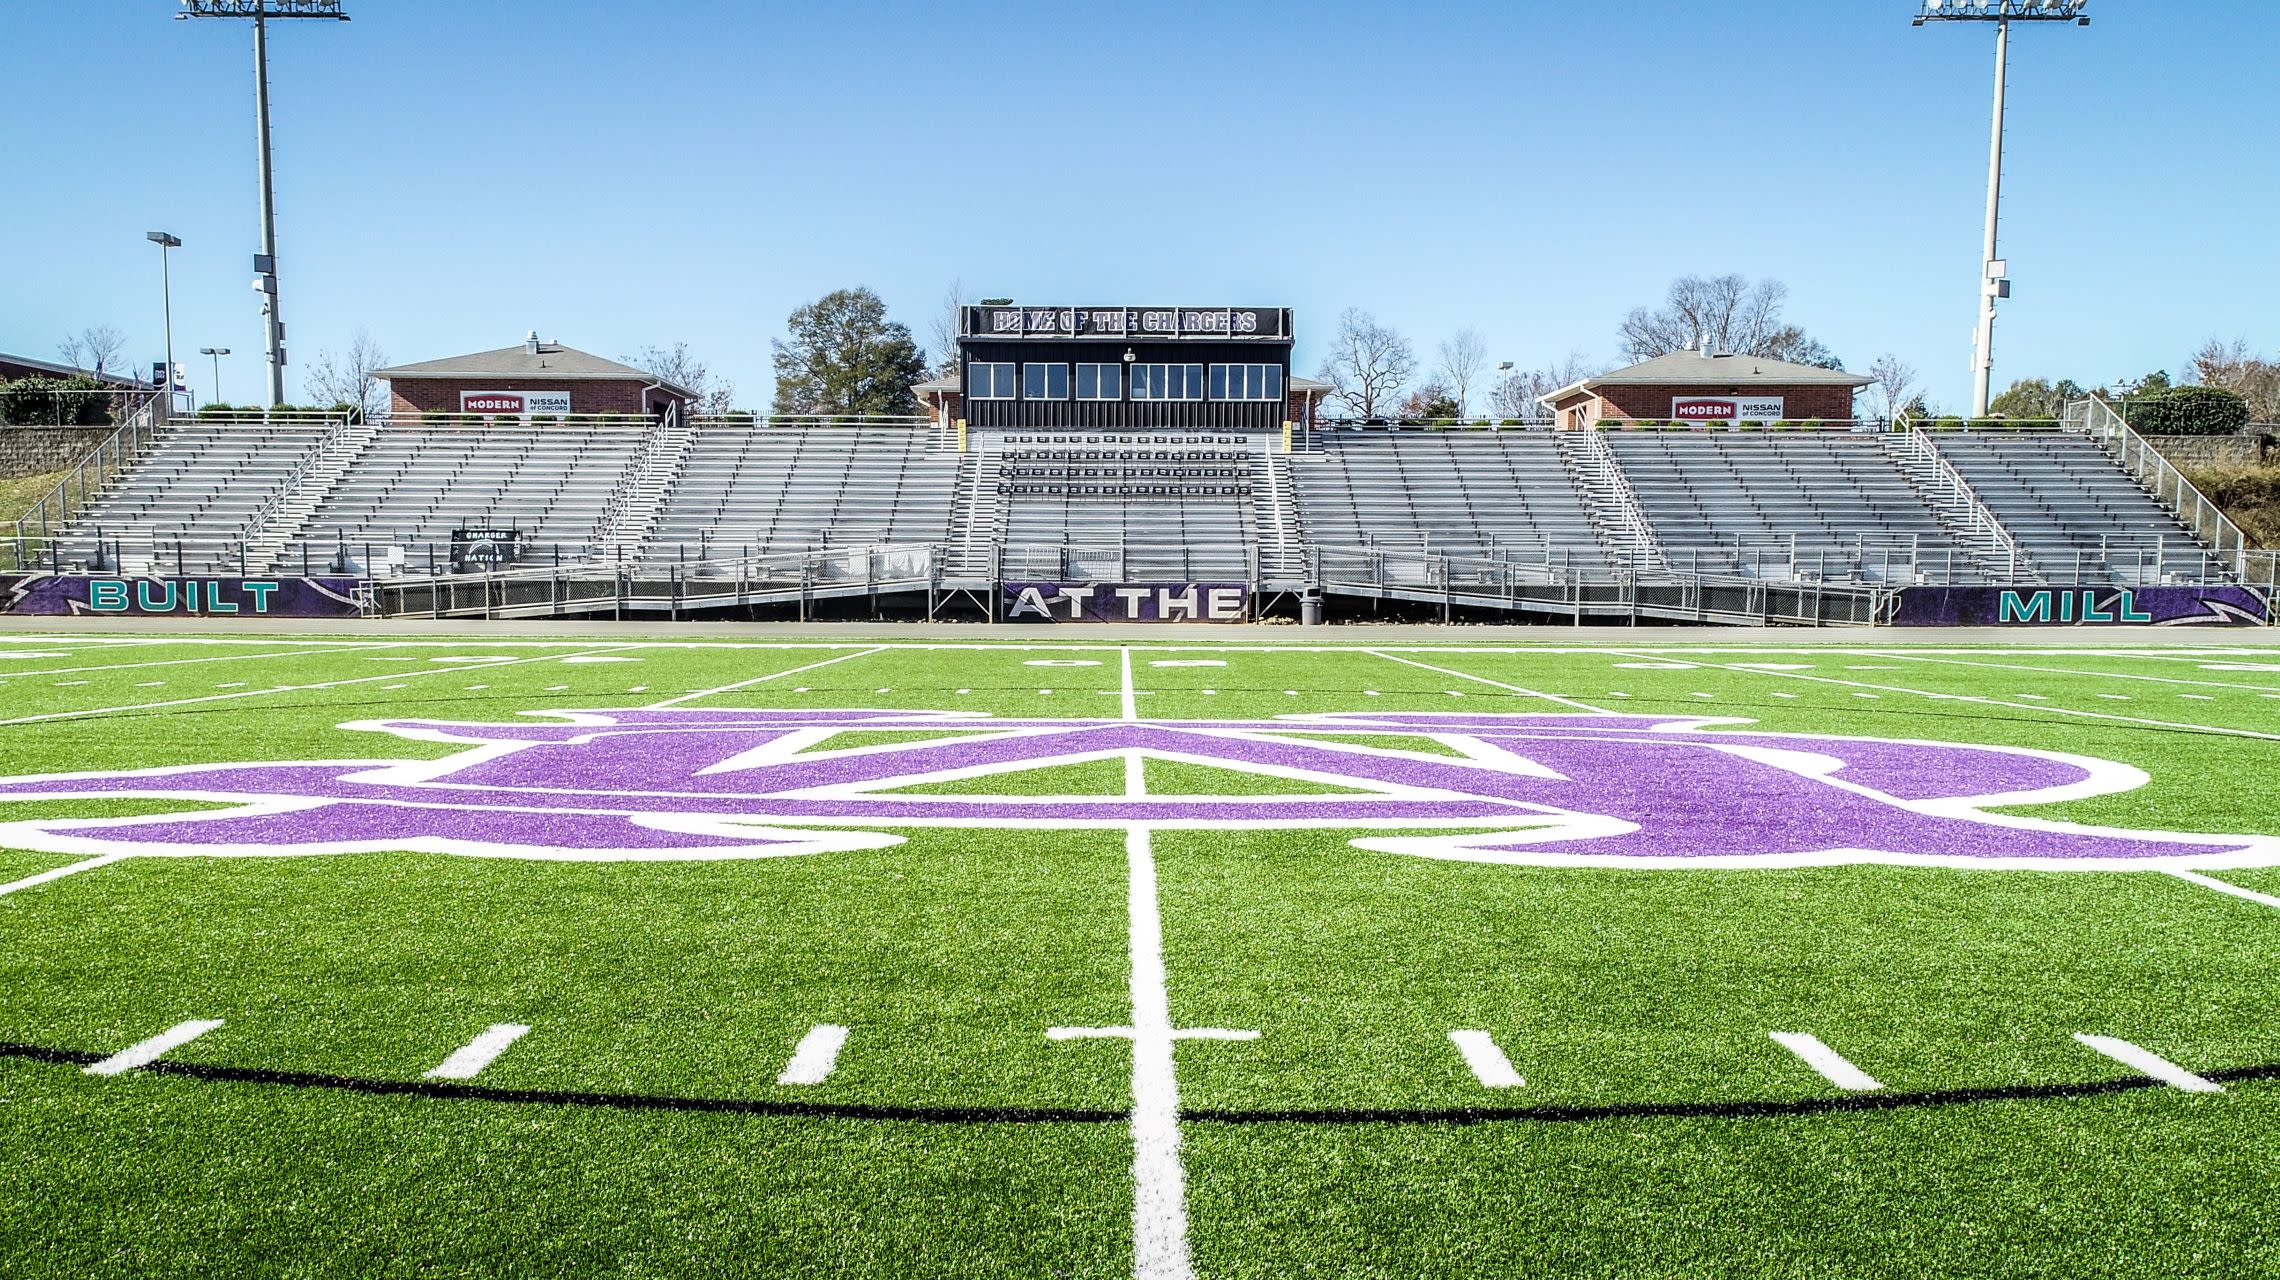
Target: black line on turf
[1387, 1116]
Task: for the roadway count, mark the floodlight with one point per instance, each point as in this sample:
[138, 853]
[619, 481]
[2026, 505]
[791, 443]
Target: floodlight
[1994, 283]
[261, 11]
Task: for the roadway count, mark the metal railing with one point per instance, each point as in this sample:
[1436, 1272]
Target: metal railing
[1956, 495]
[33, 533]
[1629, 516]
[2208, 522]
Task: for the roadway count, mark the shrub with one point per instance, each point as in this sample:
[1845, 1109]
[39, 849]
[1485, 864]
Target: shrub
[54, 402]
[2190, 411]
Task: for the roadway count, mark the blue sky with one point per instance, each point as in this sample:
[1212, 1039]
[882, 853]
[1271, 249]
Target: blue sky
[615, 175]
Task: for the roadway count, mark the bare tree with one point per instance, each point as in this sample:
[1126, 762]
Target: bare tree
[1519, 397]
[947, 322]
[93, 350]
[1727, 313]
[2234, 367]
[1368, 364]
[1464, 357]
[347, 378]
[1895, 382]
[708, 397]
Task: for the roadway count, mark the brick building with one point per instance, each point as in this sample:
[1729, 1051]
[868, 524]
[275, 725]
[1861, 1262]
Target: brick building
[536, 378]
[1690, 386]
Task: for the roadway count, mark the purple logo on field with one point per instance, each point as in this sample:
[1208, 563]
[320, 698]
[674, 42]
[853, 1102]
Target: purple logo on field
[675, 784]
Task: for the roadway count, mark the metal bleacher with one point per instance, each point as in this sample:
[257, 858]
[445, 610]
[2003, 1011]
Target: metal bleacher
[418, 482]
[749, 489]
[1488, 495]
[190, 500]
[2077, 516]
[1133, 506]
[1807, 505]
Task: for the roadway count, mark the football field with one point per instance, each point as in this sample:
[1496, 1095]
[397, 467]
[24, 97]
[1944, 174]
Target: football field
[570, 954]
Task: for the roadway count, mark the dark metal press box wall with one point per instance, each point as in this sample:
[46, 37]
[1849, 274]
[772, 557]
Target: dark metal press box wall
[1209, 368]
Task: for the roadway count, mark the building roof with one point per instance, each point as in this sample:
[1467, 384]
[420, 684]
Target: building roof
[1694, 369]
[29, 367]
[528, 360]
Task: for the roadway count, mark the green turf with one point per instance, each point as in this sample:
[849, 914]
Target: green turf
[951, 953]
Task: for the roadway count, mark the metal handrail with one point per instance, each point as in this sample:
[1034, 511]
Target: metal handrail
[2208, 522]
[1630, 513]
[1982, 518]
[55, 510]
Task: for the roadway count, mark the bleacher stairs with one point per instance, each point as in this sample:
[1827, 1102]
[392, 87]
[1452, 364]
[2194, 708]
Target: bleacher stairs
[1616, 517]
[639, 500]
[1974, 526]
[977, 521]
[284, 522]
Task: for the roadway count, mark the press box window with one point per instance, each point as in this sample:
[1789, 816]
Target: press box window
[988, 381]
[1100, 382]
[1044, 382]
[1246, 382]
[1167, 382]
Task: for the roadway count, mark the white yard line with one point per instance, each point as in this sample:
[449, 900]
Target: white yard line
[1159, 1181]
[303, 688]
[183, 662]
[1827, 1061]
[2190, 877]
[1466, 675]
[151, 1050]
[479, 1053]
[1488, 1063]
[2149, 1062]
[1131, 705]
[818, 1053]
[2096, 675]
[777, 675]
[1978, 700]
[59, 873]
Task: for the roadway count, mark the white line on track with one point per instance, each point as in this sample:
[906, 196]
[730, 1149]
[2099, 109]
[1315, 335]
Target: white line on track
[818, 1053]
[2149, 1062]
[1978, 700]
[288, 688]
[151, 1050]
[59, 873]
[1467, 675]
[1488, 1063]
[482, 1051]
[777, 675]
[2190, 877]
[1827, 1061]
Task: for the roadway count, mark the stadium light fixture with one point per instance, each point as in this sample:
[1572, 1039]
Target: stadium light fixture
[1994, 282]
[217, 353]
[265, 262]
[166, 240]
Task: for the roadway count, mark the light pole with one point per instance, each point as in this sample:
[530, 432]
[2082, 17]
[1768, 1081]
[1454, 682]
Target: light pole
[265, 262]
[1994, 272]
[217, 353]
[1504, 391]
[166, 241]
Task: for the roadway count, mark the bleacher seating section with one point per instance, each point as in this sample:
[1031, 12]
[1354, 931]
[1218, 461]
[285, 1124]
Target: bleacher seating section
[418, 482]
[2077, 516]
[1161, 506]
[1491, 495]
[1141, 507]
[189, 499]
[1831, 506]
[749, 490]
